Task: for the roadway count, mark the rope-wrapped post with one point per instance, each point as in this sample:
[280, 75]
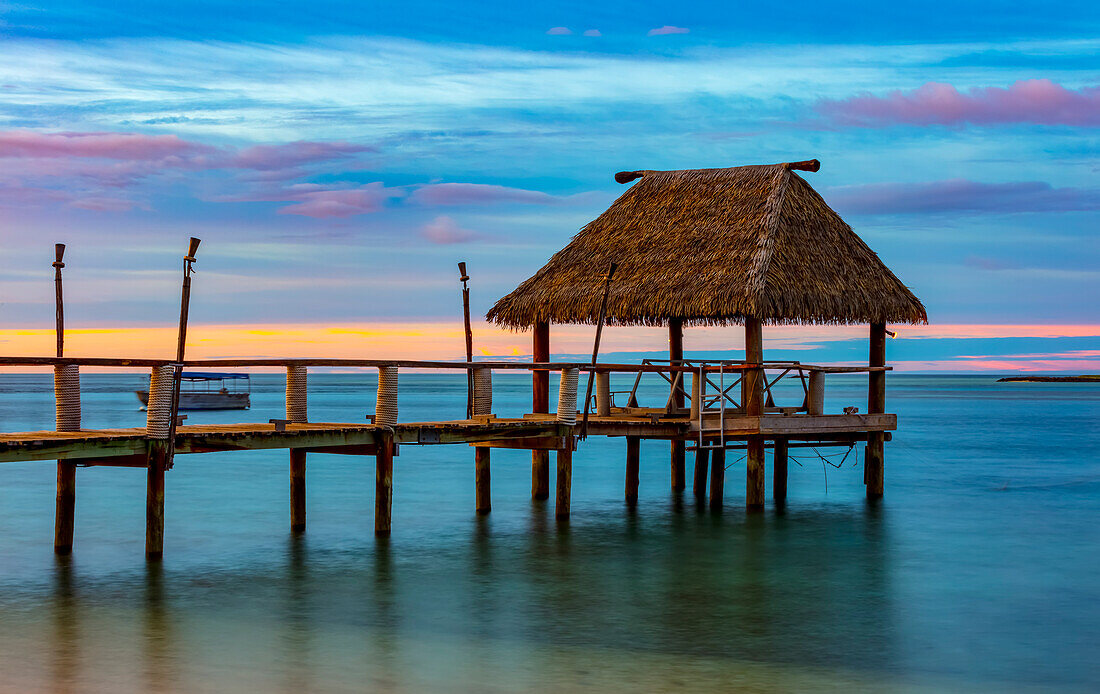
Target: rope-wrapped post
[567, 396]
[483, 391]
[483, 405]
[296, 412]
[158, 426]
[66, 388]
[296, 399]
[385, 408]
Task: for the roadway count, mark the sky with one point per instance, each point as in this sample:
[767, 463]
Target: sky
[339, 158]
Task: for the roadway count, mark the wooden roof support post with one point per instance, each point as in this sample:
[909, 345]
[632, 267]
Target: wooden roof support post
[676, 355]
[752, 393]
[874, 457]
[540, 403]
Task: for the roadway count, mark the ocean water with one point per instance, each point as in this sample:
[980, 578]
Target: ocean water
[979, 571]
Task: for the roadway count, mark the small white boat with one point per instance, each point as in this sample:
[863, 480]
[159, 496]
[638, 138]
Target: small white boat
[210, 391]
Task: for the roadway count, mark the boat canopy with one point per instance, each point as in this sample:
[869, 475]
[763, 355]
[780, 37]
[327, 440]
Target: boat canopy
[210, 376]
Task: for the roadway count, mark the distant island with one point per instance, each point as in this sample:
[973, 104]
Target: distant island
[1092, 378]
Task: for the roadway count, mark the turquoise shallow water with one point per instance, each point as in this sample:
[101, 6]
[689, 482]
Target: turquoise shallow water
[979, 571]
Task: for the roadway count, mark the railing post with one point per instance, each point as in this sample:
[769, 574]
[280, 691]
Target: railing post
[815, 393]
[66, 388]
[603, 393]
[297, 406]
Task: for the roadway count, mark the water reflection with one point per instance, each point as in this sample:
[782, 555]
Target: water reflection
[296, 644]
[159, 664]
[65, 654]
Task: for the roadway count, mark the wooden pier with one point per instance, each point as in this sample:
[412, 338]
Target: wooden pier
[709, 423]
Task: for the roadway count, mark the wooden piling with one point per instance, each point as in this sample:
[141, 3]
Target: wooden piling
[779, 471]
[483, 500]
[752, 390]
[717, 477]
[633, 455]
[65, 503]
[297, 490]
[699, 483]
[65, 508]
[540, 403]
[875, 454]
[383, 483]
[297, 411]
[676, 355]
[154, 499]
[564, 484]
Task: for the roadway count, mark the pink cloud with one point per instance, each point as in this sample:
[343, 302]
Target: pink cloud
[292, 154]
[559, 31]
[320, 203]
[132, 146]
[592, 32]
[444, 230]
[960, 195]
[1038, 101]
[103, 204]
[478, 194]
[666, 30]
[991, 264]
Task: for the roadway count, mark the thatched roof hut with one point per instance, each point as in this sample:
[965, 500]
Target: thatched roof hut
[712, 247]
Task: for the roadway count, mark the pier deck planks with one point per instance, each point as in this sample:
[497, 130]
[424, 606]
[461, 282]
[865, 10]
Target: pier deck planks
[353, 438]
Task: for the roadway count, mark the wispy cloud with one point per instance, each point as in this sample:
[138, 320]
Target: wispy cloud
[478, 194]
[666, 30]
[961, 196]
[559, 31]
[444, 230]
[1038, 101]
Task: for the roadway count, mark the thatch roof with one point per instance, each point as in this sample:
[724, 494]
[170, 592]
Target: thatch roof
[711, 246]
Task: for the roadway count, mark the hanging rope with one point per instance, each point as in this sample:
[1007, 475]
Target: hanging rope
[385, 408]
[825, 460]
[66, 391]
[483, 391]
[296, 394]
[158, 417]
[567, 396]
